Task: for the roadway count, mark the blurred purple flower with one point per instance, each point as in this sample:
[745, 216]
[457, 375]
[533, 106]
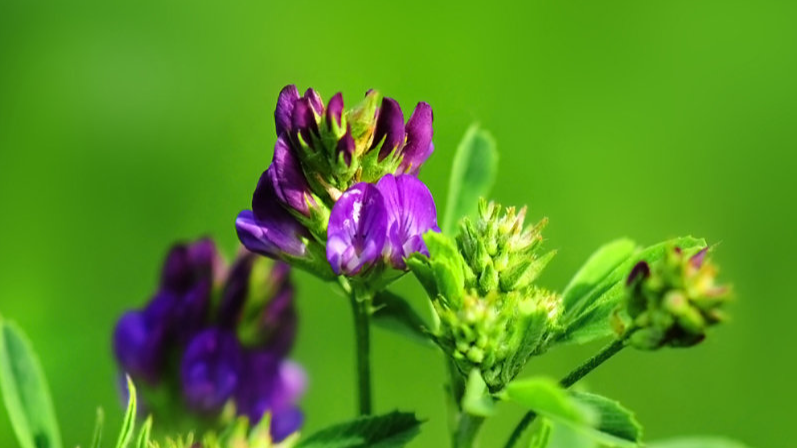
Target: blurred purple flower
[139, 346]
[357, 229]
[210, 370]
[274, 386]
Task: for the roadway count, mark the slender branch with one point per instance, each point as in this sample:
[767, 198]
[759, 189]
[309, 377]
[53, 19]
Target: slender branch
[572, 378]
[467, 430]
[361, 308]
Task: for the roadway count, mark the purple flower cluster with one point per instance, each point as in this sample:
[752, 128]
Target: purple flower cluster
[344, 183]
[232, 348]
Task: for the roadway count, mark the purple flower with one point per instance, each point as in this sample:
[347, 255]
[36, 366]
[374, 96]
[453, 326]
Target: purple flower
[411, 213]
[389, 132]
[274, 386]
[236, 290]
[268, 228]
[357, 229]
[288, 179]
[419, 139]
[283, 115]
[210, 370]
[139, 346]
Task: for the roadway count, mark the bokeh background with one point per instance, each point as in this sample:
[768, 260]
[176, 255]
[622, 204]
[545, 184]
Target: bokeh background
[126, 126]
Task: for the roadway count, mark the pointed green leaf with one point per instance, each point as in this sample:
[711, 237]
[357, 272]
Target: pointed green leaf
[697, 442]
[25, 392]
[477, 400]
[96, 439]
[472, 175]
[585, 416]
[129, 423]
[391, 430]
[546, 397]
[395, 314]
[599, 265]
[561, 435]
[143, 436]
[613, 418]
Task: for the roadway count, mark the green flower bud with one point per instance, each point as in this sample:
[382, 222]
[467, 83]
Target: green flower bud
[673, 302]
[492, 317]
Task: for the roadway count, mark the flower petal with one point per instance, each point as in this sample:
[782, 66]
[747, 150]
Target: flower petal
[283, 114]
[419, 139]
[288, 178]
[389, 126]
[315, 101]
[335, 110]
[210, 370]
[411, 213]
[357, 229]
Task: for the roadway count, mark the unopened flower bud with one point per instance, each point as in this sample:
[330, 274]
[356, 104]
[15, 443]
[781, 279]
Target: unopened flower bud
[673, 301]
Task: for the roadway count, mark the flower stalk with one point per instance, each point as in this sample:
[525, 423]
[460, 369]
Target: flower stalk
[361, 300]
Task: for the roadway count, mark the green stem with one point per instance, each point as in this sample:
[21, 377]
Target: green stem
[572, 378]
[467, 430]
[361, 307]
[464, 427]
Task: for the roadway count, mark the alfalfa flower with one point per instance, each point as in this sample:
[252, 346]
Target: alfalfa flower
[673, 302]
[325, 155]
[214, 354]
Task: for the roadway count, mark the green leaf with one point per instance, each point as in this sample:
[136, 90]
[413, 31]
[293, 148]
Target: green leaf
[697, 442]
[129, 423]
[391, 430]
[143, 436]
[588, 314]
[393, 313]
[561, 435]
[585, 416]
[25, 392]
[546, 397]
[613, 418]
[599, 265]
[473, 174]
[477, 400]
[96, 439]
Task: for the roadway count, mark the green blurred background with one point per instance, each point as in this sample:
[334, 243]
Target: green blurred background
[126, 126]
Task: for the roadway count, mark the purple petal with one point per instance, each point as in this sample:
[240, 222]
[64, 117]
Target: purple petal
[288, 178]
[279, 320]
[192, 313]
[315, 101]
[210, 370]
[419, 139]
[235, 291]
[357, 229]
[335, 110]
[303, 120]
[389, 126]
[698, 258]
[258, 382]
[285, 423]
[283, 114]
[347, 146]
[187, 264]
[269, 229]
[411, 213]
[292, 383]
[640, 270]
[139, 347]
[274, 236]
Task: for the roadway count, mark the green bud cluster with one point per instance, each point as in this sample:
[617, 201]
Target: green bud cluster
[492, 317]
[673, 301]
